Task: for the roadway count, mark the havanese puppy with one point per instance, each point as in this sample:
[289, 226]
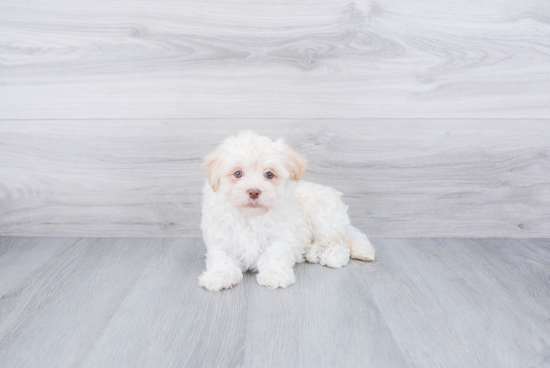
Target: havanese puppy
[258, 215]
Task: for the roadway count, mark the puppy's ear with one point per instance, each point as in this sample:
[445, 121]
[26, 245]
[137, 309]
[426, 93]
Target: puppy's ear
[211, 163]
[295, 164]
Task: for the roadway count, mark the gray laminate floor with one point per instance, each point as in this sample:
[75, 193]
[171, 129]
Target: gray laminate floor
[106, 302]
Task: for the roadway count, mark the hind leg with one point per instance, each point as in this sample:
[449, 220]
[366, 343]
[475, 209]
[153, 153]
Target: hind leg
[334, 239]
[360, 246]
[330, 252]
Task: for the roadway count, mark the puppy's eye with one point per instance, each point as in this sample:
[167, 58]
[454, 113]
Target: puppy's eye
[238, 174]
[269, 175]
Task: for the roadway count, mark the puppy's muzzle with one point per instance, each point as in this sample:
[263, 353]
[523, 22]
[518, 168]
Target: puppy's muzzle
[254, 193]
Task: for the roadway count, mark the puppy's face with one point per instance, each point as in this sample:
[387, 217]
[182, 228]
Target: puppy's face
[252, 171]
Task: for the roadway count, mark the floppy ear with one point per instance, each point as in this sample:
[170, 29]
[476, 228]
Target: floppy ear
[295, 164]
[211, 163]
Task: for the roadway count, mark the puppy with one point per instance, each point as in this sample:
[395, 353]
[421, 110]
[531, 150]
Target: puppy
[258, 215]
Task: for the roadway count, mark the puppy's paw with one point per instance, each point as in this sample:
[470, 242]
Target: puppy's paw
[363, 251]
[216, 281]
[335, 257]
[280, 278]
[313, 254]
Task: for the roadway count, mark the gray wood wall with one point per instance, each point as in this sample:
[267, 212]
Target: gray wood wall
[432, 117]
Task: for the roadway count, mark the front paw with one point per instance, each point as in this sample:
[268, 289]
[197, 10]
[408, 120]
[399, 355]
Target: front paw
[216, 280]
[273, 279]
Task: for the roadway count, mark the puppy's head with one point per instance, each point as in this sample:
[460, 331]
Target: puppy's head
[252, 171]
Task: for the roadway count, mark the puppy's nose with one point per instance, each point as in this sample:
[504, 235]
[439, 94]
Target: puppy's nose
[254, 193]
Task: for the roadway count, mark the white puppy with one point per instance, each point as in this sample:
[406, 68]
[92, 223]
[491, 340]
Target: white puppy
[258, 215]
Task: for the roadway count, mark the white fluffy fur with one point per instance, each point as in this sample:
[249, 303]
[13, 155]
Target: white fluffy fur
[290, 222]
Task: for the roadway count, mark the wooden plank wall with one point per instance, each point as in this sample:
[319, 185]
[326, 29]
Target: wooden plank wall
[432, 117]
[401, 177]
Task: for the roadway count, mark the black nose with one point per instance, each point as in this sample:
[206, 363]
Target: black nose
[254, 193]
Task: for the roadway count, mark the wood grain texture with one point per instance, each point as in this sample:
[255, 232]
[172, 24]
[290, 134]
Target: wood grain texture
[170, 320]
[57, 311]
[97, 59]
[136, 303]
[467, 288]
[413, 178]
[19, 258]
[314, 325]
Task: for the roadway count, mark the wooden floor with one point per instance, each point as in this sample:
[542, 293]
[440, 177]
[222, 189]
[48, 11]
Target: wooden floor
[106, 302]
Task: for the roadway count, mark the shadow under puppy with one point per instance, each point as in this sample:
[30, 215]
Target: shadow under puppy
[258, 215]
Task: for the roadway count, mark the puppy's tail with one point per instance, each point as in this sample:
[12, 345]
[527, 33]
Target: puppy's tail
[360, 246]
